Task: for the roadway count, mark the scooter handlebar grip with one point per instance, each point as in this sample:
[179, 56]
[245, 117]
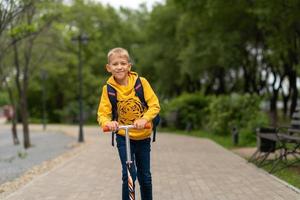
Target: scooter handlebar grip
[148, 125]
[106, 129]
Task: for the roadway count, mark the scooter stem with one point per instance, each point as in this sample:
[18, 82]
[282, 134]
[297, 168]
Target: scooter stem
[128, 152]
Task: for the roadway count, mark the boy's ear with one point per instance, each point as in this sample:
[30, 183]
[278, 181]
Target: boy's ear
[129, 66]
[108, 67]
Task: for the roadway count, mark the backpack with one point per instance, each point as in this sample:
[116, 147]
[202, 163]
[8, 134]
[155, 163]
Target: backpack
[139, 91]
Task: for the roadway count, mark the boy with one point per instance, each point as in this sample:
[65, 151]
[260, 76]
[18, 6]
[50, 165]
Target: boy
[130, 110]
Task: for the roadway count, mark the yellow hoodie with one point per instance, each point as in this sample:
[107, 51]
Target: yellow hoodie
[129, 106]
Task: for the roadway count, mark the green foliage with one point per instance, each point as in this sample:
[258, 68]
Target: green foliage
[4, 100]
[240, 111]
[70, 112]
[289, 174]
[216, 114]
[22, 30]
[187, 111]
[181, 46]
[106, 29]
[159, 53]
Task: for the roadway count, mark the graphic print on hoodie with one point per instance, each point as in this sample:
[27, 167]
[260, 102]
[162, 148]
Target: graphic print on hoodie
[130, 110]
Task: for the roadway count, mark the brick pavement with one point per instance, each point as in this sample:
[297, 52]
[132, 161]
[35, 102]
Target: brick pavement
[183, 168]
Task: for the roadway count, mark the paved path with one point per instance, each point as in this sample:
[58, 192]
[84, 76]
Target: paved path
[183, 168]
[15, 160]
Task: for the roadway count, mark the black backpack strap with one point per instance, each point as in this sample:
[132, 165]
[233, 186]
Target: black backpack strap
[139, 91]
[155, 124]
[154, 134]
[112, 95]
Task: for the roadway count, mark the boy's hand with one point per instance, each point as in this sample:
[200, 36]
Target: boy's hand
[113, 125]
[140, 123]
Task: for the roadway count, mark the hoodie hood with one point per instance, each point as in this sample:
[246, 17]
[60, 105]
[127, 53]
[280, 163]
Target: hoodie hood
[124, 89]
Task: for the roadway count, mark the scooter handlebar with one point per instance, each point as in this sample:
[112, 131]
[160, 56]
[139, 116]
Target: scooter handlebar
[147, 126]
[107, 129]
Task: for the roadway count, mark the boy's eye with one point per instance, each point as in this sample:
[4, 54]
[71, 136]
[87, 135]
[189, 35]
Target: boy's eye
[121, 63]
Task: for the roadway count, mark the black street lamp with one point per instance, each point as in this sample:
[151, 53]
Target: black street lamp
[81, 39]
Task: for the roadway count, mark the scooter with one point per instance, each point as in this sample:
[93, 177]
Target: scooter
[128, 155]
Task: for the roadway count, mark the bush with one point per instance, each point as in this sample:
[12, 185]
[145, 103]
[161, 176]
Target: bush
[4, 100]
[187, 111]
[216, 114]
[241, 111]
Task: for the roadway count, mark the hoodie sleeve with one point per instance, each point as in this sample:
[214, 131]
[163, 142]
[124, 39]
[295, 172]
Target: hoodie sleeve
[105, 109]
[151, 99]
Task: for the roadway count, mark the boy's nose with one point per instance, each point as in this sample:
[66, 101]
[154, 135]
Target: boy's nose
[119, 65]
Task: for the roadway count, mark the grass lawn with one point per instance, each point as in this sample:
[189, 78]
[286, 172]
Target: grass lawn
[291, 175]
[225, 141]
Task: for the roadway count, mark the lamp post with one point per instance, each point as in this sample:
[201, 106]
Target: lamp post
[80, 39]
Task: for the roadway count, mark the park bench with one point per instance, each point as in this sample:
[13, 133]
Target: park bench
[282, 142]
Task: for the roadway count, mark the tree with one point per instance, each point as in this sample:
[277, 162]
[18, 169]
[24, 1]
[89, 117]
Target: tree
[10, 10]
[159, 53]
[24, 32]
[279, 21]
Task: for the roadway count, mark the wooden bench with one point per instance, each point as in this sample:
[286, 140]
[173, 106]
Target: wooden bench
[267, 143]
[283, 142]
[290, 142]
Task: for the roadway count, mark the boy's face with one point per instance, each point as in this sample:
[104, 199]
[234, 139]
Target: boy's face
[119, 67]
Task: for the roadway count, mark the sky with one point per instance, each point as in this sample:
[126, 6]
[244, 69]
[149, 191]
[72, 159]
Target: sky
[134, 4]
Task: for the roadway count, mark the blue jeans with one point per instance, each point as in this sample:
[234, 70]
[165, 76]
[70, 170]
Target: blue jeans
[140, 168]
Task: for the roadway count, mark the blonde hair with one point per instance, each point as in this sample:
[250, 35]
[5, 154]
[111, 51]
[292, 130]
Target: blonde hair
[120, 51]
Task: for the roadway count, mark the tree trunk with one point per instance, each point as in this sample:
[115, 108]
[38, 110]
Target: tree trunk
[221, 79]
[209, 87]
[294, 93]
[246, 80]
[273, 107]
[24, 114]
[16, 140]
[14, 117]
[285, 99]
[24, 104]
[22, 91]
